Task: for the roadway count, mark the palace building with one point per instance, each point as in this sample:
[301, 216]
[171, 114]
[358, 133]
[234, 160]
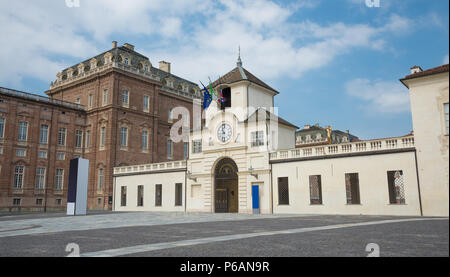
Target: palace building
[243, 159]
[113, 109]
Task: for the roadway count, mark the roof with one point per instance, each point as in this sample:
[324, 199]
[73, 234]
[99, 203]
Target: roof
[238, 74]
[428, 72]
[271, 116]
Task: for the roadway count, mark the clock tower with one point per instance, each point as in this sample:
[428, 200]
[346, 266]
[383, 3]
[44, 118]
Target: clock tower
[228, 166]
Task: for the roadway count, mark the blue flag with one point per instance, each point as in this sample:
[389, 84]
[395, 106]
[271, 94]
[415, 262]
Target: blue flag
[207, 97]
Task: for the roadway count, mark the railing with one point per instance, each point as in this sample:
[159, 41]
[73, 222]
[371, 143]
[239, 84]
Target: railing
[39, 98]
[101, 68]
[150, 167]
[336, 149]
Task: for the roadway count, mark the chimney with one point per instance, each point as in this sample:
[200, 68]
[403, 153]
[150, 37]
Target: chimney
[307, 127]
[164, 66]
[129, 46]
[416, 69]
[114, 44]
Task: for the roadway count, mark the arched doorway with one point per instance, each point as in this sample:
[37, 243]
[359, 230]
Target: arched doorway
[226, 187]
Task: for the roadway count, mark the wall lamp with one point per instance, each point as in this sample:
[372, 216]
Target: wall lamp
[189, 175]
[250, 170]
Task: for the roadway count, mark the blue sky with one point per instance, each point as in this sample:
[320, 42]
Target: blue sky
[335, 62]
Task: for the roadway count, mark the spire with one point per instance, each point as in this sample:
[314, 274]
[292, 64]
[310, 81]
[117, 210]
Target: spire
[239, 62]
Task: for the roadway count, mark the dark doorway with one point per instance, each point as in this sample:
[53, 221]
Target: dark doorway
[226, 187]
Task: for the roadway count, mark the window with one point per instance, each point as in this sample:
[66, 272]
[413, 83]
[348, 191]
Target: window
[396, 187]
[43, 135]
[178, 194]
[1, 150]
[60, 156]
[99, 201]
[16, 201]
[58, 202]
[445, 117]
[88, 139]
[40, 177]
[78, 138]
[18, 176]
[91, 100]
[23, 129]
[59, 179]
[125, 97]
[146, 102]
[140, 196]
[352, 188]
[123, 136]
[146, 68]
[125, 61]
[105, 97]
[158, 195]
[257, 138]
[78, 101]
[169, 115]
[123, 196]
[315, 189]
[39, 202]
[100, 179]
[169, 148]
[102, 136]
[2, 127]
[197, 146]
[21, 152]
[283, 191]
[42, 154]
[186, 150]
[62, 136]
[144, 140]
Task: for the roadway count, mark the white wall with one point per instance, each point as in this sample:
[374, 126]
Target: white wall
[373, 185]
[149, 181]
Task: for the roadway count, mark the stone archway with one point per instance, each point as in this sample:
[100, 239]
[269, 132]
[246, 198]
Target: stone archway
[226, 187]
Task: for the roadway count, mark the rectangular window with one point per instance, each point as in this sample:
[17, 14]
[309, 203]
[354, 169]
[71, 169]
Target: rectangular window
[21, 152]
[123, 196]
[186, 150]
[144, 140]
[125, 97]
[23, 130]
[140, 196]
[18, 176]
[2, 127]
[91, 100]
[59, 179]
[283, 191]
[16, 201]
[158, 195]
[396, 187]
[446, 118]
[78, 138]
[105, 97]
[315, 189]
[60, 156]
[100, 179]
[43, 135]
[197, 146]
[88, 139]
[146, 102]
[178, 194]
[39, 202]
[58, 202]
[42, 154]
[40, 178]
[62, 136]
[169, 148]
[352, 188]
[1, 150]
[123, 136]
[257, 138]
[102, 136]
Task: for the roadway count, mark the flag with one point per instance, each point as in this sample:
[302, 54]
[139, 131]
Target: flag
[207, 97]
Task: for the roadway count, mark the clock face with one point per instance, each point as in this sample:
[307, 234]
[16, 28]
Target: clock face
[224, 132]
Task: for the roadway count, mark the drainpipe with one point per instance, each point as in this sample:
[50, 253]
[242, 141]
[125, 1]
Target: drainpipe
[418, 182]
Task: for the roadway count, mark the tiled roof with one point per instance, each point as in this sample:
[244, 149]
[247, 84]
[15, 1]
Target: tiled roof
[431, 71]
[238, 74]
[254, 117]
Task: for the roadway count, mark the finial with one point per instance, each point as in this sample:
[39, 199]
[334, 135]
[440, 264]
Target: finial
[239, 62]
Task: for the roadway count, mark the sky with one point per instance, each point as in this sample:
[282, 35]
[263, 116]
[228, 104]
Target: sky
[334, 62]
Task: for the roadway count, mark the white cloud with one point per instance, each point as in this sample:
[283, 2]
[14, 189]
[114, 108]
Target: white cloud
[445, 60]
[200, 37]
[380, 96]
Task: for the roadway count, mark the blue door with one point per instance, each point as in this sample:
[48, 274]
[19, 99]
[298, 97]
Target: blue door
[255, 198]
